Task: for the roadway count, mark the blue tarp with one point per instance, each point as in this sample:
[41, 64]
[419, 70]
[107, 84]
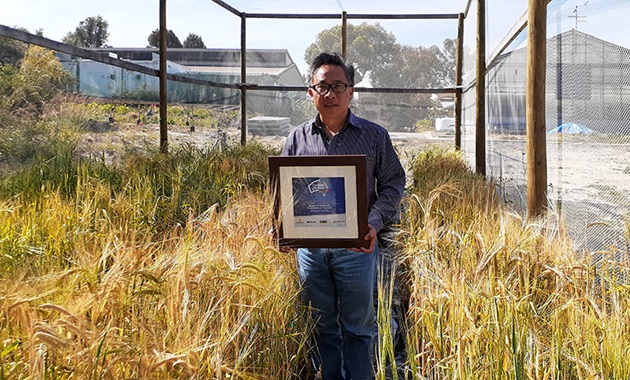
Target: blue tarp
[571, 128]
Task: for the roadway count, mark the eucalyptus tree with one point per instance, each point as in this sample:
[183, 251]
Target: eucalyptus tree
[172, 40]
[91, 32]
[194, 41]
[375, 53]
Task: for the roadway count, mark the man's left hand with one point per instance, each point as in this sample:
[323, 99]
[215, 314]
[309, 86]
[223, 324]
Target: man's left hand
[371, 237]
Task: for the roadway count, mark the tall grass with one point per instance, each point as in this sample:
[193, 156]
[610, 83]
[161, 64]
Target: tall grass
[61, 199]
[492, 296]
[120, 273]
[155, 267]
[26, 88]
[160, 267]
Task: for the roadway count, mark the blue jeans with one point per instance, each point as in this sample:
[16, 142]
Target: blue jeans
[339, 285]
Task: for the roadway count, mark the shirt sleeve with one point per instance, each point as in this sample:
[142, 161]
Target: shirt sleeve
[390, 185]
[289, 144]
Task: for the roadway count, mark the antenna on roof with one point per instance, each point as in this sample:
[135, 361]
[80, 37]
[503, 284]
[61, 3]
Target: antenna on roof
[577, 17]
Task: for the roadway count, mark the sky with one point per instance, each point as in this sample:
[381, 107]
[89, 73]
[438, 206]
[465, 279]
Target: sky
[131, 21]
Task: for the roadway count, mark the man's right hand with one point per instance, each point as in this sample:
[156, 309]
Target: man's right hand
[371, 236]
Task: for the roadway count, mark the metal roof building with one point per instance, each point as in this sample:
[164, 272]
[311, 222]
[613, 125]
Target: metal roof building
[588, 83]
[264, 67]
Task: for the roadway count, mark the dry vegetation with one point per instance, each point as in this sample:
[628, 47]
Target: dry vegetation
[210, 300]
[494, 297]
[151, 266]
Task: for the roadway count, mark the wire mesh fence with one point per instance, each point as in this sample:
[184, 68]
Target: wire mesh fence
[587, 122]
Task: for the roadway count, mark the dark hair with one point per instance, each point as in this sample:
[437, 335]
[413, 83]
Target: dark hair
[331, 59]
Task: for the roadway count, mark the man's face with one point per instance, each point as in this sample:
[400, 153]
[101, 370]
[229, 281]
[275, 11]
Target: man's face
[331, 104]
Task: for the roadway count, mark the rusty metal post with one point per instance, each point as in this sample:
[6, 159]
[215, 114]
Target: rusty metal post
[163, 103]
[458, 82]
[536, 146]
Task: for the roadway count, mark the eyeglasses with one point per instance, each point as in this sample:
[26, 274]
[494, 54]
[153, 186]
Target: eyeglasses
[323, 89]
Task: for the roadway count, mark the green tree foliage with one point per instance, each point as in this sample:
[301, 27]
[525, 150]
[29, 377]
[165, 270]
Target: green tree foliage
[92, 32]
[450, 57]
[171, 39]
[375, 52]
[421, 67]
[11, 51]
[370, 47]
[25, 89]
[194, 41]
[43, 73]
[373, 49]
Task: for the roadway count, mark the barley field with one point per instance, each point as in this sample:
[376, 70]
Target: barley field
[161, 267]
[119, 262]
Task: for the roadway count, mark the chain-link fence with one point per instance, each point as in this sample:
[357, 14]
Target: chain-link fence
[587, 121]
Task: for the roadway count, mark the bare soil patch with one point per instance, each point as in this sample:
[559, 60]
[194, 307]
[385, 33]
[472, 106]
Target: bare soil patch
[109, 140]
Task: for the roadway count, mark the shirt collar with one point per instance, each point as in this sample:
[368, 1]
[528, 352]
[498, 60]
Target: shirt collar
[352, 121]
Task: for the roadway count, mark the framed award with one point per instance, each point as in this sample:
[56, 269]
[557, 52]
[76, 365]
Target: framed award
[320, 201]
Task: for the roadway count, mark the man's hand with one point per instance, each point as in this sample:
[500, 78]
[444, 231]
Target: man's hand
[274, 234]
[371, 236]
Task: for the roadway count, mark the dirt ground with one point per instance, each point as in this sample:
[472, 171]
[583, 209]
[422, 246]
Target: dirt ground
[588, 184]
[589, 179]
[116, 138]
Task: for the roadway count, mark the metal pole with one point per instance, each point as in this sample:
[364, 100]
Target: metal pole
[536, 146]
[243, 79]
[371, 16]
[78, 75]
[344, 35]
[480, 135]
[163, 104]
[458, 82]
[559, 105]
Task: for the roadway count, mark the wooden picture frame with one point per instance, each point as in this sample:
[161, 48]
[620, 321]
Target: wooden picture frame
[320, 201]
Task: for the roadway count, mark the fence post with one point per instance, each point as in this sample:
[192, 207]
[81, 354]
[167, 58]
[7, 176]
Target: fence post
[458, 82]
[480, 128]
[243, 79]
[163, 102]
[344, 35]
[535, 105]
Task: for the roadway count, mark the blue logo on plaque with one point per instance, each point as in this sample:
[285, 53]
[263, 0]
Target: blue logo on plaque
[319, 196]
[318, 186]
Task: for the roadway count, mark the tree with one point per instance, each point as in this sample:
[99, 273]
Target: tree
[370, 48]
[171, 39]
[11, 51]
[194, 41]
[419, 67]
[92, 32]
[374, 50]
[423, 67]
[450, 59]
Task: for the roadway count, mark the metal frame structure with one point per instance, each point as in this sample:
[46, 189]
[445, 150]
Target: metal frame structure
[344, 16]
[536, 18]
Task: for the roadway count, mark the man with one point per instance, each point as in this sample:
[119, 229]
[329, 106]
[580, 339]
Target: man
[339, 283]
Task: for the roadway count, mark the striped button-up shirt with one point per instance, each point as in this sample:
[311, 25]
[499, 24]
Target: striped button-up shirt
[385, 174]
